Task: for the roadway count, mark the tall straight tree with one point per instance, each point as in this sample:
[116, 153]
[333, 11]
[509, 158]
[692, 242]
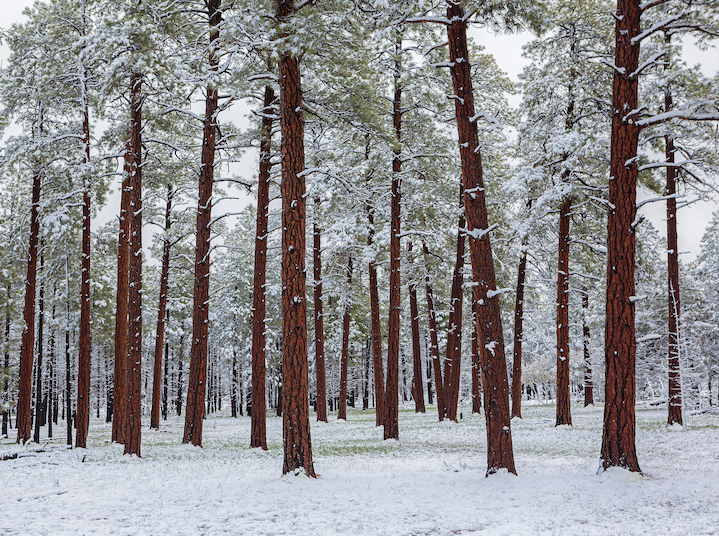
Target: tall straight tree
[344, 359]
[258, 436]
[195, 408]
[417, 382]
[434, 344]
[133, 425]
[319, 319]
[518, 334]
[563, 411]
[375, 325]
[296, 440]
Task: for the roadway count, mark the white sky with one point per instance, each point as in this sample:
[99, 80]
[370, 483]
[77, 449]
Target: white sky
[507, 50]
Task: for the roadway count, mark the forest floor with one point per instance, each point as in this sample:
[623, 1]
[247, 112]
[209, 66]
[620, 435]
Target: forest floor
[430, 482]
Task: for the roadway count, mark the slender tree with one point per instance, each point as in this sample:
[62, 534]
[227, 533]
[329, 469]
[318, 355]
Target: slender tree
[38, 365]
[375, 326]
[417, 381]
[344, 358]
[434, 345]
[319, 320]
[518, 334]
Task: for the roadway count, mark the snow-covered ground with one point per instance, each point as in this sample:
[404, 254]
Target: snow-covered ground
[430, 482]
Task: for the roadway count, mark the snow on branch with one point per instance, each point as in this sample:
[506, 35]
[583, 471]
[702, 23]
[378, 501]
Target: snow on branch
[651, 61]
[668, 164]
[647, 338]
[677, 114]
[478, 233]
[494, 124]
[620, 70]
[657, 27]
[650, 4]
[417, 20]
[493, 293]
[663, 198]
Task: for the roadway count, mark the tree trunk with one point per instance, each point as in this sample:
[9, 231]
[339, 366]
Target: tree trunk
[376, 328]
[418, 380]
[476, 382]
[119, 405]
[434, 345]
[588, 386]
[24, 409]
[84, 364]
[618, 437]
[38, 368]
[133, 426]
[297, 444]
[321, 404]
[344, 359]
[68, 381]
[258, 437]
[195, 406]
[518, 334]
[564, 408]
[178, 399]
[494, 369]
[161, 317]
[6, 380]
[675, 383]
[391, 425]
[165, 379]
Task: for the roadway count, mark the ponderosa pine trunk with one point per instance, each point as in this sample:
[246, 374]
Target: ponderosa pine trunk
[6, 380]
[320, 371]
[133, 425]
[344, 358]
[68, 382]
[195, 406]
[38, 367]
[161, 317]
[165, 378]
[83, 362]
[494, 367]
[564, 407]
[588, 384]
[296, 439]
[23, 419]
[391, 402]
[418, 380]
[519, 334]
[675, 383]
[618, 436]
[376, 327]
[434, 344]
[258, 426]
[119, 405]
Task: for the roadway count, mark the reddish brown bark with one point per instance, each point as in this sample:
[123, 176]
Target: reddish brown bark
[319, 322]
[258, 435]
[133, 424]
[417, 382]
[297, 444]
[38, 367]
[453, 362]
[6, 380]
[344, 358]
[494, 368]
[83, 371]
[376, 328]
[195, 406]
[391, 409]
[518, 334]
[434, 345]
[564, 408]
[119, 405]
[27, 345]
[618, 437]
[161, 317]
[675, 384]
[588, 385]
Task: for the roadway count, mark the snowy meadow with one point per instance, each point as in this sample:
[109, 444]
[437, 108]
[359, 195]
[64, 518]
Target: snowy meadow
[430, 482]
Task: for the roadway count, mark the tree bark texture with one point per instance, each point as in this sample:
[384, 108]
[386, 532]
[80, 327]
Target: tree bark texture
[6, 381]
[376, 328]
[588, 384]
[434, 344]
[133, 428]
[494, 369]
[38, 367]
[161, 317]
[27, 345]
[564, 407]
[319, 321]
[195, 406]
[453, 362]
[618, 436]
[391, 424]
[297, 444]
[418, 379]
[258, 438]
[344, 358]
[518, 334]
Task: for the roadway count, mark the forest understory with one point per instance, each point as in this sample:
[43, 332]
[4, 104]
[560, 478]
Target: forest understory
[431, 481]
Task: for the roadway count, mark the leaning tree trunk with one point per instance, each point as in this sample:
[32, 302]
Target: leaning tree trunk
[494, 367]
[376, 328]
[434, 345]
[518, 334]
[319, 320]
[418, 380]
[618, 436]
[84, 364]
[564, 411]
[297, 443]
[258, 435]
[675, 383]
[24, 410]
[119, 391]
[588, 385]
[344, 359]
[195, 406]
[391, 402]
[161, 317]
[133, 426]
